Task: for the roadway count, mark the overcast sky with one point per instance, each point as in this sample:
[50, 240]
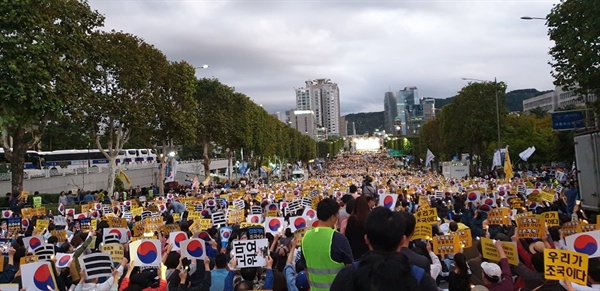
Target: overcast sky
[265, 49]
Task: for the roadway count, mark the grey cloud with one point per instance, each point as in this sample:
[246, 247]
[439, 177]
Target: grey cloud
[266, 48]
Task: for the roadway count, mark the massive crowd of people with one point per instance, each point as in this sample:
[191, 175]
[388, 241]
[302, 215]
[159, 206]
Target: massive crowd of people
[364, 224]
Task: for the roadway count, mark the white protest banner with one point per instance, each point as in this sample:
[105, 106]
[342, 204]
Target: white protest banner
[60, 220]
[38, 276]
[193, 248]
[251, 253]
[175, 239]
[96, 265]
[147, 252]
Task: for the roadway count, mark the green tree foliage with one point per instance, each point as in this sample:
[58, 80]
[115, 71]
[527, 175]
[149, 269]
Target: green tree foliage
[523, 131]
[574, 27]
[128, 76]
[44, 47]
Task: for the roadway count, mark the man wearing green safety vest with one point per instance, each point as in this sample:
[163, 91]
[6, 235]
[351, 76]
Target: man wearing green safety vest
[325, 250]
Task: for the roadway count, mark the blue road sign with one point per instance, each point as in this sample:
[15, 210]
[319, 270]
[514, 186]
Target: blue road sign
[568, 120]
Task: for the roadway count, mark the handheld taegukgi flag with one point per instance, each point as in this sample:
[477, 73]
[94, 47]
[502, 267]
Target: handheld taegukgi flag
[175, 239]
[44, 251]
[145, 252]
[587, 243]
[38, 276]
[193, 248]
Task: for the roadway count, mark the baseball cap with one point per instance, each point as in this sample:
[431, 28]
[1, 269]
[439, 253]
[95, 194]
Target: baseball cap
[302, 281]
[491, 269]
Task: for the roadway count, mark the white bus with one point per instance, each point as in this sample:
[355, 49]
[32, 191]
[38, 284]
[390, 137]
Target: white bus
[73, 159]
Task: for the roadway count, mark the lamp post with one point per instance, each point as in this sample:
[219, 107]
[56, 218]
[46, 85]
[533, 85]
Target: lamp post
[202, 67]
[497, 104]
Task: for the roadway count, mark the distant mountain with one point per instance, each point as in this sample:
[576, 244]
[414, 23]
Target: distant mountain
[514, 99]
[365, 122]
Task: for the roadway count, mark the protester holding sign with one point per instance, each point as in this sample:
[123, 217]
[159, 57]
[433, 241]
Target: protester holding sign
[498, 278]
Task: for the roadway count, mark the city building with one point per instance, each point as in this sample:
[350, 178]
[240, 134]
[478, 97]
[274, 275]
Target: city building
[390, 111]
[322, 97]
[419, 114]
[343, 126]
[556, 100]
[405, 101]
[303, 121]
[277, 115]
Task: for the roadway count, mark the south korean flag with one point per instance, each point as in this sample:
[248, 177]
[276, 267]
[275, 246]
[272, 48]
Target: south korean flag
[44, 252]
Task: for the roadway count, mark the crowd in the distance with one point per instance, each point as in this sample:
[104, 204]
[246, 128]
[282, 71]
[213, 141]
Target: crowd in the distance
[355, 242]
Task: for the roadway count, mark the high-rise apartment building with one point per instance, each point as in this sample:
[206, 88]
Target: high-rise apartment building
[390, 111]
[405, 101]
[323, 98]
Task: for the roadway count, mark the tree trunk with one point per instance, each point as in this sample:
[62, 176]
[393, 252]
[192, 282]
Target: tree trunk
[17, 160]
[161, 173]
[111, 174]
[229, 165]
[206, 160]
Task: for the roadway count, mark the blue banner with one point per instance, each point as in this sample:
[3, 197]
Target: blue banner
[568, 120]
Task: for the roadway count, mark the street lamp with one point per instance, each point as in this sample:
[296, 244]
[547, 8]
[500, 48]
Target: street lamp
[202, 67]
[532, 18]
[497, 105]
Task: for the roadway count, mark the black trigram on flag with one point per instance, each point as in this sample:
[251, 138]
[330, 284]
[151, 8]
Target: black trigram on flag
[127, 215]
[44, 252]
[96, 265]
[146, 214]
[111, 239]
[219, 219]
[255, 210]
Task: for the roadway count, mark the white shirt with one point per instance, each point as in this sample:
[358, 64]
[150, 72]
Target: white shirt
[436, 265]
[578, 287]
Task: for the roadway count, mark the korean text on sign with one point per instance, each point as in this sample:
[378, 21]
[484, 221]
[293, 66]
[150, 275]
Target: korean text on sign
[251, 253]
[427, 215]
[563, 264]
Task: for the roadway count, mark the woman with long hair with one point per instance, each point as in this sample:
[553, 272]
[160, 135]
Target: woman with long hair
[355, 227]
[460, 276]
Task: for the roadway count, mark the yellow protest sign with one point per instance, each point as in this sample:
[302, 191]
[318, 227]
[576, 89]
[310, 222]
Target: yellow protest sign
[584, 227]
[235, 215]
[423, 201]
[137, 211]
[551, 218]
[153, 223]
[466, 239]
[40, 211]
[299, 234]
[176, 217]
[446, 244]
[516, 203]
[194, 215]
[29, 259]
[249, 224]
[272, 213]
[499, 216]
[563, 264]
[94, 224]
[85, 208]
[518, 216]
[422, 231]
[60, 234]
[569, 228]
[426, 215]
[139, 228]
[289, 197]
[116, 251]
[168, 228]
[278, 196]
[42, 224]
[27, 213]
[491, 253]
[548, 197]
[531, 227]
[204, 223]
[116, 222]
[315, 201]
